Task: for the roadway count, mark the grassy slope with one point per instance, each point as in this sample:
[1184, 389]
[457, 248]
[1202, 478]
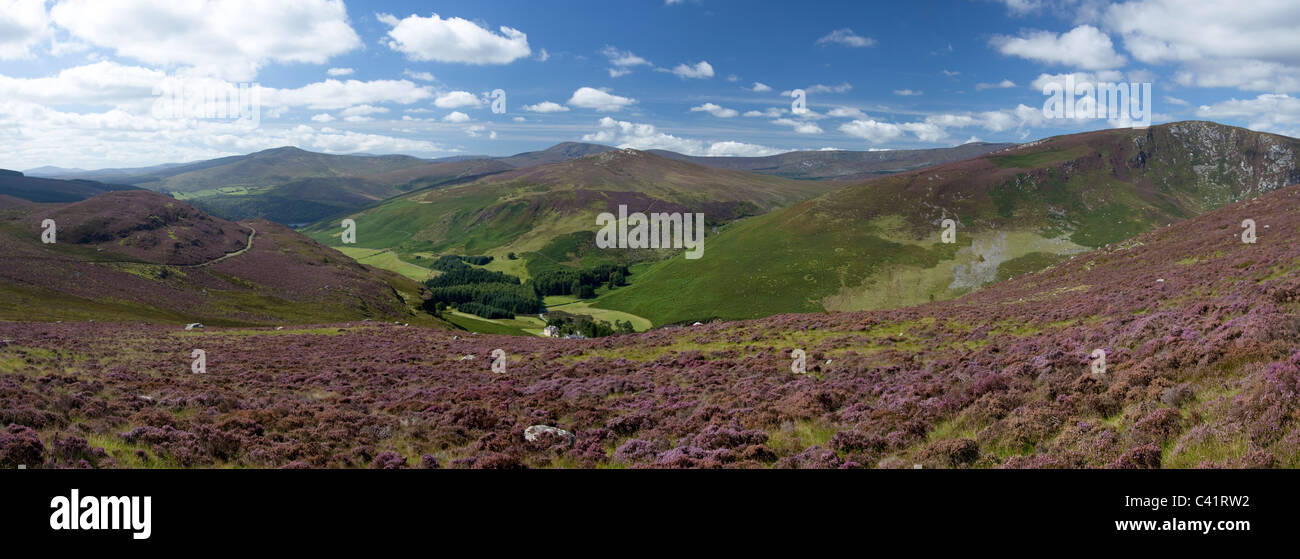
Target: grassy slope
[875, 245]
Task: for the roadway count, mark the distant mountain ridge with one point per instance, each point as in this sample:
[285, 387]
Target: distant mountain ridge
[38, 189]
[293, 186]
[841, 164]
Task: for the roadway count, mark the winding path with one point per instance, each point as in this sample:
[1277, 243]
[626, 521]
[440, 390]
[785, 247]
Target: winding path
[252, 233]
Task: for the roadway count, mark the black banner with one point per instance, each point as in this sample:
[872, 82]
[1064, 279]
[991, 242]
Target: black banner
[1083, 509]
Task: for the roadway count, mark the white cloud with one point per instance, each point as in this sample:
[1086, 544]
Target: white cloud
[323, 117]
[457, 99]
[101, 83]
[336, 72]
[760, 87]
[823, 88]
[1000, 85]
[700, 70]
[335, 94]
[456, 116]
[802, 127]
[935, 128]
[908, 92]
[1079, 77]
[422, 76]
[871, 130]
[715, 110]
[771, 112]
[1270, 112]
[622, 61]
[119, 138]
[363, 110]
[1083, 47]
[846, 112]
[519, 119]
[454, 39]
[1188, 31]
[592, 98]
[232, 39]
[847, 38]
[951, 73]
[23, 25]
[624, 134]
[546, 107]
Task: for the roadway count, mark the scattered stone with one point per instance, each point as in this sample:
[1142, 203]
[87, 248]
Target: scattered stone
[534, 432]
[467, 358]
[194, 326]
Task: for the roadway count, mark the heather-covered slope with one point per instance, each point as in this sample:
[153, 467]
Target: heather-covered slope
[877, 244]
[1202, 370]
[139, 255]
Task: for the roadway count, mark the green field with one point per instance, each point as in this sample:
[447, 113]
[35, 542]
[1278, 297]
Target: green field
[571, 305]
[386, 260]
[515, 327]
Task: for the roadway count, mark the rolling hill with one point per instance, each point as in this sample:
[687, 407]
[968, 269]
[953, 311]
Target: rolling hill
[37, 189]
[877, 244]
[141, 256]
[545, 208]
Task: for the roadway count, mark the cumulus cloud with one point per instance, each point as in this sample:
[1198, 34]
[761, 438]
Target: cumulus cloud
[871, 130]
[700, 70]
[599, 100]
[335, 94]
[454, 39]
[624, 134]
[847, 38]
[456, 116]
[337, 72]
[119, 138]
[546, 107]
[232, 39]
[760, 87]
[715, 110]
[1084, 47]
[23, 25]
[457, 99]
[770, 112]
[1271, 112]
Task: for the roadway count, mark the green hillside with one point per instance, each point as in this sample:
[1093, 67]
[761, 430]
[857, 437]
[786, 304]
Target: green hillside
[876, 244]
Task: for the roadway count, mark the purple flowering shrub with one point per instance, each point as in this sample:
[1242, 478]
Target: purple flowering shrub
[1202, 370]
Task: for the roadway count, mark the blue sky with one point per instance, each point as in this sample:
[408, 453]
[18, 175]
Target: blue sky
[79, 80]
